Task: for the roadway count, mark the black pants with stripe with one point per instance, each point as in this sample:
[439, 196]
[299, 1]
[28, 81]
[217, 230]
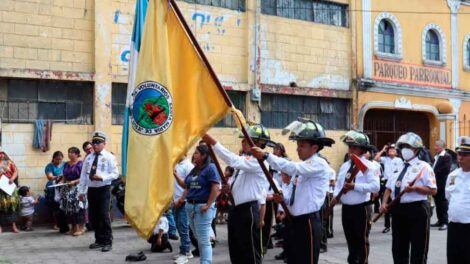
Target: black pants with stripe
[268, 225]
[458, 239]
[304, 235]
[356, 226]
[244, 239]
[410, 226]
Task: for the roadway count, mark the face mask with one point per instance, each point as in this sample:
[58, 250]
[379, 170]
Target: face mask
[407, 154]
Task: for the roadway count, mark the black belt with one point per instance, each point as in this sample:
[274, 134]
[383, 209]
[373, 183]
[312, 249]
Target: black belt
[306, 216]
[425, 202]
[358, 205]
[247, 204]
[191, 201]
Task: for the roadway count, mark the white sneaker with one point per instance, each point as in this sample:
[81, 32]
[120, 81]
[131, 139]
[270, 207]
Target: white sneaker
[177, 256]
[188, 255]
[181, 260]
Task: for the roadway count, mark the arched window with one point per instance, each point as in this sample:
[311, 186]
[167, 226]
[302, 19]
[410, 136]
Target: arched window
[432, 46]
[386, 37]
[468, 53]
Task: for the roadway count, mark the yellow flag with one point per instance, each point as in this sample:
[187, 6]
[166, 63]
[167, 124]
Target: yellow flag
[174, 102]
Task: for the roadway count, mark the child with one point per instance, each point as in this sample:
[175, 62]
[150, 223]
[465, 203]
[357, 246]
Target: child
[159, 239]
[222, 200]
[27, 208]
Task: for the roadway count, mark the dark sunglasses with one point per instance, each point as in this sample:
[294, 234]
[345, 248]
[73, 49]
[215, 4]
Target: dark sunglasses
[96, 142]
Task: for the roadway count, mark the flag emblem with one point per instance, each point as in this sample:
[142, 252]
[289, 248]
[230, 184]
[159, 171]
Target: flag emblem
[151, 108]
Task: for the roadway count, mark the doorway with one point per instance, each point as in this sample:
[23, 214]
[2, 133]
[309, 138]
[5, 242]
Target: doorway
[386, 126]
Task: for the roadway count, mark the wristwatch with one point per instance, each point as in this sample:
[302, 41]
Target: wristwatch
[265, 156]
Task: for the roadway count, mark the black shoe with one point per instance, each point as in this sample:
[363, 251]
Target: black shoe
[173, 237]
[96, 245]
[106, 248]
[136, 257]
[436, 224]
[329, 235]
[443, 227]
[386, 230]
[195, 252]
[323, 250]
[270, 245]
[280, 256]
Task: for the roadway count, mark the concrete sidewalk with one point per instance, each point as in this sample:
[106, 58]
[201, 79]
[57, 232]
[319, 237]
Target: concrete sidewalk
[48, 246]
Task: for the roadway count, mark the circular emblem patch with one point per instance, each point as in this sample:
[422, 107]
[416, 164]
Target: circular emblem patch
[398, 184]
[151, 109]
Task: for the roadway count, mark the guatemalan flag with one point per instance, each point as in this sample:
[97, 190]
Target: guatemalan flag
[140, 12]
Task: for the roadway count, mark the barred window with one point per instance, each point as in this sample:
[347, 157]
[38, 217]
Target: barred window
[238, 100]
[279, 110]
[118, 102]
[318, 11]
[24, 101]
[238, 5]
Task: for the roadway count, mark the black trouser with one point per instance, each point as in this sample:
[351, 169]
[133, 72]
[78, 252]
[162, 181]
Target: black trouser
[98, 208]
[356, 225]
[328, 216]
[268, 224]
[381, 195]
[304, 235]
[244, 240]
[324, 223]
[410, 225]
[458, 239]
[442, 205]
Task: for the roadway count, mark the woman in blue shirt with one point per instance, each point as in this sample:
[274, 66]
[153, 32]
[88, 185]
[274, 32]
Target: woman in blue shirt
[54, 174]
[202, 188]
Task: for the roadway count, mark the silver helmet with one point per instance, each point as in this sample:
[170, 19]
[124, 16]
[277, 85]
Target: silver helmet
[411, 139]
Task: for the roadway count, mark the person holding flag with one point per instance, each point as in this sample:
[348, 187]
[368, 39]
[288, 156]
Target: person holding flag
[247, 188]
[310, 183]
[174, 97]
[410, 216]
[356, 210]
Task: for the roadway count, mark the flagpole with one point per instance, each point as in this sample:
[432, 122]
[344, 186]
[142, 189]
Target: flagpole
[226, 97]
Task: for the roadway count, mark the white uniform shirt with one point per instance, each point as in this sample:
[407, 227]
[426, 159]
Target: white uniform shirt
[286, 192]
[162, 225]
[311, 179]
[106, 168]
[391, 166]
[182, 168]
[458, 194]
[248, 183]
[414, 169]
[364, 184]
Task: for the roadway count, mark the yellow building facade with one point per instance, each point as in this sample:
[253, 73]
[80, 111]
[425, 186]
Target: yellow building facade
[411, 69]
[67, 61]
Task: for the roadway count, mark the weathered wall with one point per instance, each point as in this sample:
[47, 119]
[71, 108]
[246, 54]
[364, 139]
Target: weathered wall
[311, 54]
[17, 141]
[47, 35]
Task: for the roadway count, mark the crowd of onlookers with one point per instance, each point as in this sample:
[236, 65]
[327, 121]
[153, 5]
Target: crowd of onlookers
[61, 195]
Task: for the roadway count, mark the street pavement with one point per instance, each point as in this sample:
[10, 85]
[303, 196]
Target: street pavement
[45, 245]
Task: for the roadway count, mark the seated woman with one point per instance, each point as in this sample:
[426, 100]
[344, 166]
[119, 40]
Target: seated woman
[9, 204]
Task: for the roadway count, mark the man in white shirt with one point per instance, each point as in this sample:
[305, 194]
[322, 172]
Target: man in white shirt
[310, 183]
[98, 171]
[410, 216]
[458, 194]
[248, 193]
[357, 209]
[391, 164]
